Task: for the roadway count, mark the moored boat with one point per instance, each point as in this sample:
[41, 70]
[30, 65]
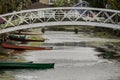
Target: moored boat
[28, 33]
[25, 65]
[25, 40]
[10, 46]
[17, 36]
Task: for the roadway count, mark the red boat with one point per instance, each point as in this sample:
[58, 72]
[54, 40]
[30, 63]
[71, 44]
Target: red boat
[10, 46]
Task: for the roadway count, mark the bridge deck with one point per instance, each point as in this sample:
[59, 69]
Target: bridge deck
[59, 16]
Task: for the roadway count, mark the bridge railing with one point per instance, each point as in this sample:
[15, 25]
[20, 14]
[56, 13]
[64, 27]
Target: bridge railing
[73, 14]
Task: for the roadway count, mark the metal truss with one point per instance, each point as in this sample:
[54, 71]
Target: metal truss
[59, 16]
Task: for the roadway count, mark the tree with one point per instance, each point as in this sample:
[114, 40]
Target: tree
[60, 3]
[114, 4]
[13, 5]
[0, 6]
[97, 3]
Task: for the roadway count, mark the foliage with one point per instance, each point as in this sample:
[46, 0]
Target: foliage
[0, 9]
[114, 4]
[13, 5]
[60, 3]
[97, 3]
[0, 6]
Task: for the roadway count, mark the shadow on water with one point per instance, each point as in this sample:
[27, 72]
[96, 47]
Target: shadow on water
[105, 54]
[108, 54]
[75, 44]
[1, 72]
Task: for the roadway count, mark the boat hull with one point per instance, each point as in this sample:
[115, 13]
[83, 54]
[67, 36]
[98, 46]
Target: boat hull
[26, 40]
[25, 65]
[28, 33]
[13, 36]
[9, 46]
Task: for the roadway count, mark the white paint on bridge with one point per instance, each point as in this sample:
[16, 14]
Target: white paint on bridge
[60, 16]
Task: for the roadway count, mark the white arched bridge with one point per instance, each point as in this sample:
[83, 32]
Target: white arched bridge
[59, 16]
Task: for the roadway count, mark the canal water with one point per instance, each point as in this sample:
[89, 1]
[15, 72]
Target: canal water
[72, 60]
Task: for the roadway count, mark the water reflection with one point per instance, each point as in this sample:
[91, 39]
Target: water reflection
[74, 60]
[108, 54]
[72, 56]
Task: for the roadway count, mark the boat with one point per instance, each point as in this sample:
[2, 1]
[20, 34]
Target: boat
[11, 46]
[27, 33]
[24, 39]
[17, 36]
[25, 65]
[27, 40]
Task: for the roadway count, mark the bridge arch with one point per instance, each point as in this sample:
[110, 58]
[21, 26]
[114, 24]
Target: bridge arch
[59, 16]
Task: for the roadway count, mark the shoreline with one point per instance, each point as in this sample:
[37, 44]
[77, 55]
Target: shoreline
[101, 46]
[16, 55]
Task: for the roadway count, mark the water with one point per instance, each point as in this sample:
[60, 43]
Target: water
[72, 61]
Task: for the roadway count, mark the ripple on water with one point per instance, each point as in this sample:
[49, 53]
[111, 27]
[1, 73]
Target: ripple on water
[71, 63]
[73, 56]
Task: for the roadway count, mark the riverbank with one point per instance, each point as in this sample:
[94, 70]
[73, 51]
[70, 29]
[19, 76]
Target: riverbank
[68, 58]
[110, 48]
[72, 58]
[15, 55]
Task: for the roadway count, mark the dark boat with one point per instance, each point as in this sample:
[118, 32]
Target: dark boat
[10, 46]
[27, 33]
[25, 40]
[19, 36]
[25, 65]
